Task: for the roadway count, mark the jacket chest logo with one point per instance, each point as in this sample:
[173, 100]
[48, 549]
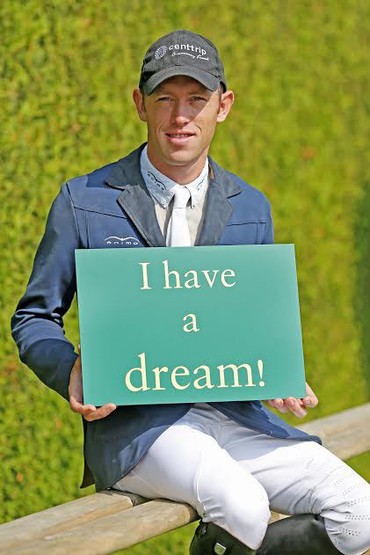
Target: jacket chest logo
[115, 240]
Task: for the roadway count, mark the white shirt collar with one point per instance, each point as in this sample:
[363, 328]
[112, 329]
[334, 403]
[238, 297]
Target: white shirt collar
[162, 188]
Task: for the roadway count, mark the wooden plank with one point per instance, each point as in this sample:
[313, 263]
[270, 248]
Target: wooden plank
[113, 532]
[346, 434]
[100, 523]
[65, 517]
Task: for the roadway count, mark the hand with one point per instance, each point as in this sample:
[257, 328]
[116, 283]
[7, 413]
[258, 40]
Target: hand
[296, 406]
[89, 412]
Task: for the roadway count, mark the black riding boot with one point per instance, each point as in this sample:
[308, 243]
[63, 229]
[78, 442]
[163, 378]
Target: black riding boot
[297, 535]
[210, 539]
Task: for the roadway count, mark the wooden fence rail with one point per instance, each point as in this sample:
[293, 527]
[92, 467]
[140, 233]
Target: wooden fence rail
[108, 521]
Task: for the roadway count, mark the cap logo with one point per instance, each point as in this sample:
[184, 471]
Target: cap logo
[182, 49]
[190, 50]
[160, 52]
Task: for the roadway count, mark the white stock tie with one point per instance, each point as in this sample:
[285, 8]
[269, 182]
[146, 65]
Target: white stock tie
[178, 234]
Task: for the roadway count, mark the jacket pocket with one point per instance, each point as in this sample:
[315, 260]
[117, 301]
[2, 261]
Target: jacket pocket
[107, 231]
[242, 233]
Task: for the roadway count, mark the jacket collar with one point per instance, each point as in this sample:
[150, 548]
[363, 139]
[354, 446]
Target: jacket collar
[135, 198]
[218, 208]
[136, 201]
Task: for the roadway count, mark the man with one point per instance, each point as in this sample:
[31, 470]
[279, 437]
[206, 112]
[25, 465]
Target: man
[232, 461]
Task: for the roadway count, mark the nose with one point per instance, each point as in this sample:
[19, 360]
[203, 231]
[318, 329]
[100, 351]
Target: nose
[181, 113]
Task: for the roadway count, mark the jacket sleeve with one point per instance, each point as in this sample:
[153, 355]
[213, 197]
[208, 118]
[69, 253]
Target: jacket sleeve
[37, 325]
[268, 236]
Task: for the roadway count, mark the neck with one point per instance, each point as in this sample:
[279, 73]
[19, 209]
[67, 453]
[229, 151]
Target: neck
[181, 174]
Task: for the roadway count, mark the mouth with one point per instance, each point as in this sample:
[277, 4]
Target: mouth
[179, 135]
[179, 138]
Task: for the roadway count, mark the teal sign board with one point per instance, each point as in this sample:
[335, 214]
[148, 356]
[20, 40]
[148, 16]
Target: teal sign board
[189, 324]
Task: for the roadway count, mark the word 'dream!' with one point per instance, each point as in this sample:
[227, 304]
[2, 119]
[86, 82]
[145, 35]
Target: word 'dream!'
[181, 377]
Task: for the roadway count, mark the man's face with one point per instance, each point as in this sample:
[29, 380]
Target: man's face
[181, 115]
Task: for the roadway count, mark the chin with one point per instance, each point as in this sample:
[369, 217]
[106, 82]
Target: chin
[180, 159]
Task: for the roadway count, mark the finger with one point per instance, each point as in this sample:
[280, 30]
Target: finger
[88, 412]
[295, 407]
[310, 401]
[276, 403]
[284, 409]
[101, 412]
[75, 405]
[80, 408]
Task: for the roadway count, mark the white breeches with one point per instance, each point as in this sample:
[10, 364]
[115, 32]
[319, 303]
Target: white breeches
[233, 476]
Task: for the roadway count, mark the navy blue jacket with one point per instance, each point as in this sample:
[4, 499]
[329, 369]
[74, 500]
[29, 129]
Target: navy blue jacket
[111, 208]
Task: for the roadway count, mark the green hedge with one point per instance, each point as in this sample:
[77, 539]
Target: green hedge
[299, 131]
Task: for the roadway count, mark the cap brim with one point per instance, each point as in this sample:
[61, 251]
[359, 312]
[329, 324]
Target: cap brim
[206, 79]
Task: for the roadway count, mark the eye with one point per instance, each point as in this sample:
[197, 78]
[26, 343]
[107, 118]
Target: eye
[163, 98]
[198, 98]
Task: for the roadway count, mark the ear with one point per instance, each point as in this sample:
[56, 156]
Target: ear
[226, 101]
[139, 103]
